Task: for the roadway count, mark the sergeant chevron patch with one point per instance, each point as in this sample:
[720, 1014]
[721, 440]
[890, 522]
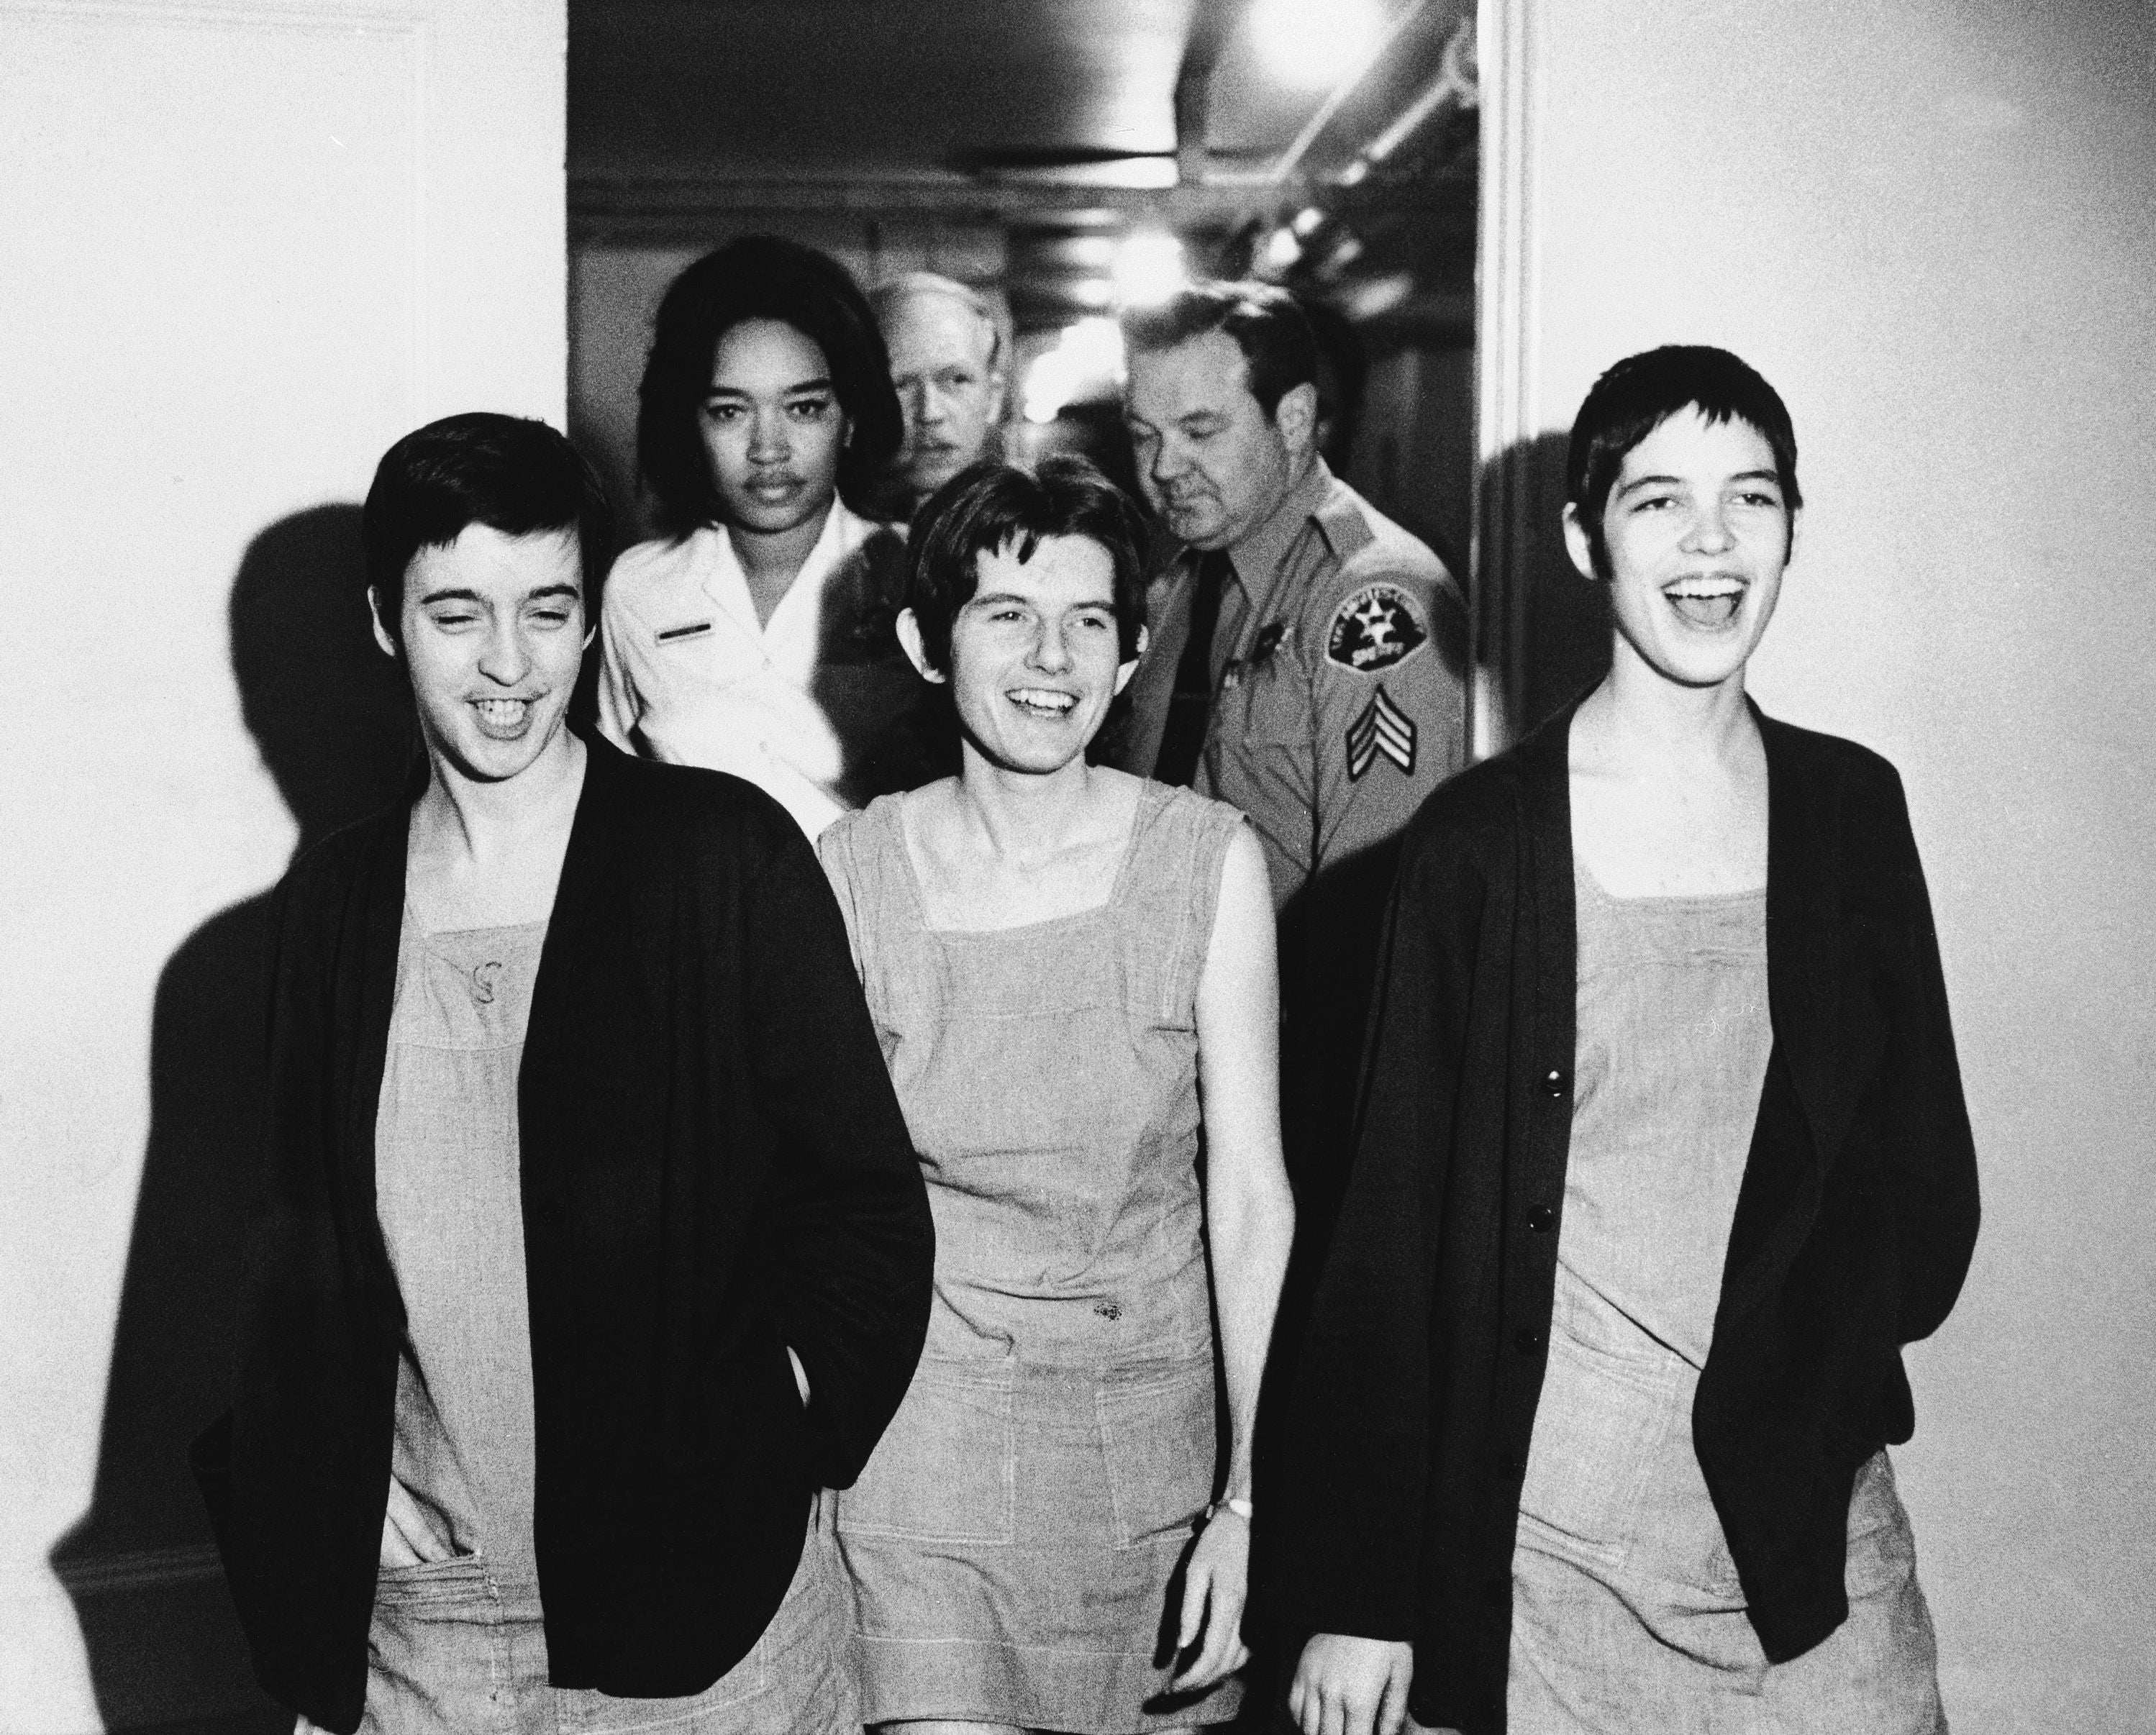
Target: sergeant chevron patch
[1383, 728]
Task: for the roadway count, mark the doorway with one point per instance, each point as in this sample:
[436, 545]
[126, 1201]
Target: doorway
[1063, 161]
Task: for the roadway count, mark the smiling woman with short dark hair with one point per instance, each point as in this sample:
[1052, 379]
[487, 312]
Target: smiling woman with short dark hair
[594, 1252]
[1063, 960]
[1663, 1160]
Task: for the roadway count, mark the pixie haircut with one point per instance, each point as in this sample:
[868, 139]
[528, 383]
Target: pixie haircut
[1272, 332]
[759, 277]
[516, 477]
[1642, 392]
[990, 506]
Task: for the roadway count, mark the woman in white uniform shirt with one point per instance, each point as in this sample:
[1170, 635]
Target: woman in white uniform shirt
[757, 638]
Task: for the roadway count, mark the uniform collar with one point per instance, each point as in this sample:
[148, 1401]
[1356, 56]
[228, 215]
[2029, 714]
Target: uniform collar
[1259, 555]
[801, 608]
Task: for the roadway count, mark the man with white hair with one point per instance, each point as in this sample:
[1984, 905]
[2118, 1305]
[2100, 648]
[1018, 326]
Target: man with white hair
[946, 362]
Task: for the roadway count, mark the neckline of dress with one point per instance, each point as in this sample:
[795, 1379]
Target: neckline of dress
[1584, 875]
[1150, 794]
[534, 928]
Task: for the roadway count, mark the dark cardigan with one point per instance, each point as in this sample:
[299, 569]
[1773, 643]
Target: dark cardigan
[1854, 1224]
[713, 1167]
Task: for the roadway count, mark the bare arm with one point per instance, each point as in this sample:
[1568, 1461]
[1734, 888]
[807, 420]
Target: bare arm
[1249, 1219]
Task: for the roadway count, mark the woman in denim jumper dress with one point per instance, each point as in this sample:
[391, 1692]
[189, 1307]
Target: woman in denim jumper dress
[1704, 1533]
[1057, 958]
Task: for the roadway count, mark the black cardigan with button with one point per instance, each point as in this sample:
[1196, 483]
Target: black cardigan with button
[713, 1167]
[1853, 1229]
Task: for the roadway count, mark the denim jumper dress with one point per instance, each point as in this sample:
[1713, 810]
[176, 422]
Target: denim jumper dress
[457, 1641]
[1014, 1536]
[1627, 1612]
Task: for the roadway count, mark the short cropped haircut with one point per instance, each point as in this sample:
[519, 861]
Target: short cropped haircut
[516, 477]
[1640, 393]
[1277, 344]
[759, 277]
[915, 285]
[990, 506]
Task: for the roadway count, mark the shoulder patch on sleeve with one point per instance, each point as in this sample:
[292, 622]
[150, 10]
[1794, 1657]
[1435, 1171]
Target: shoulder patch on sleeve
[1375, 628]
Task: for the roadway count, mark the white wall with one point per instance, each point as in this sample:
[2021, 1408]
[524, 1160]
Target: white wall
[1932, 225]
[243, 246]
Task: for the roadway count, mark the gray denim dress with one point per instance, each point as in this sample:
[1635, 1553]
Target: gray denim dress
[1627, 1614]
[1012, 1537]
[458, 1642]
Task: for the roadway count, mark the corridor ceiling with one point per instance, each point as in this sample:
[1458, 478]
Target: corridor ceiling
[1027, 113]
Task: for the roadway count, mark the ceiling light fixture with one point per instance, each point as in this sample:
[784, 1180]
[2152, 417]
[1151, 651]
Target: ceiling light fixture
[1310, 44]
[1149, 268]
[1086, 363]
[1281, 251]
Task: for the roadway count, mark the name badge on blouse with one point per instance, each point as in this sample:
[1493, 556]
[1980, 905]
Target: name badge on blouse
[693, 629]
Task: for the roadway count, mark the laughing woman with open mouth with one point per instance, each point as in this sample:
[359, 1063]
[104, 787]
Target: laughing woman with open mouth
[1663, 1159]
[1071, 971]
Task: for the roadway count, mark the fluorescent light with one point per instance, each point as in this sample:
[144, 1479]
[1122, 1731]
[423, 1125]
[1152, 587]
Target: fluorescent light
[1314, 44]
[1094, 252]
[1149, 268]
[1087, 361]
[1379, 295]
[1281, 249]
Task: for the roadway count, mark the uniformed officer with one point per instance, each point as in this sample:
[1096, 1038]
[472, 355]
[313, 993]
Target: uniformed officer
[1325, 692]
[1308, 665]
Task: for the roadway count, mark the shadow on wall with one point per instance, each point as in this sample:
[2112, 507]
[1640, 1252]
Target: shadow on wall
[1545, 630]
[332, 717]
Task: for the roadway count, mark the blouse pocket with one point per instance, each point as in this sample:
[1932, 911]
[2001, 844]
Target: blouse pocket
[1156, 1435]
[947, 1468]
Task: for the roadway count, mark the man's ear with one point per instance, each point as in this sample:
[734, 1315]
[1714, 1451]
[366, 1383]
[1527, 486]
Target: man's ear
[1123, 675]
[1295, 416]
[1578, 545]
[917, 651]
[374, 616]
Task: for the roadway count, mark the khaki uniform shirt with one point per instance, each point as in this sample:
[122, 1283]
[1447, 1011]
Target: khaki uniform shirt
[1340, 679]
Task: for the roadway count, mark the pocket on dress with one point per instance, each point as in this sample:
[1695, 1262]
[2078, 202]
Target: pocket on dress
[947, 1468]
[1156, 1436]
[580, 1711]
[417, 1584]
[1592, 1448]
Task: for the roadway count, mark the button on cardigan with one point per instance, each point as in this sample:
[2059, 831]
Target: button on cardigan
[1855, 1221]
[713, 1167]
